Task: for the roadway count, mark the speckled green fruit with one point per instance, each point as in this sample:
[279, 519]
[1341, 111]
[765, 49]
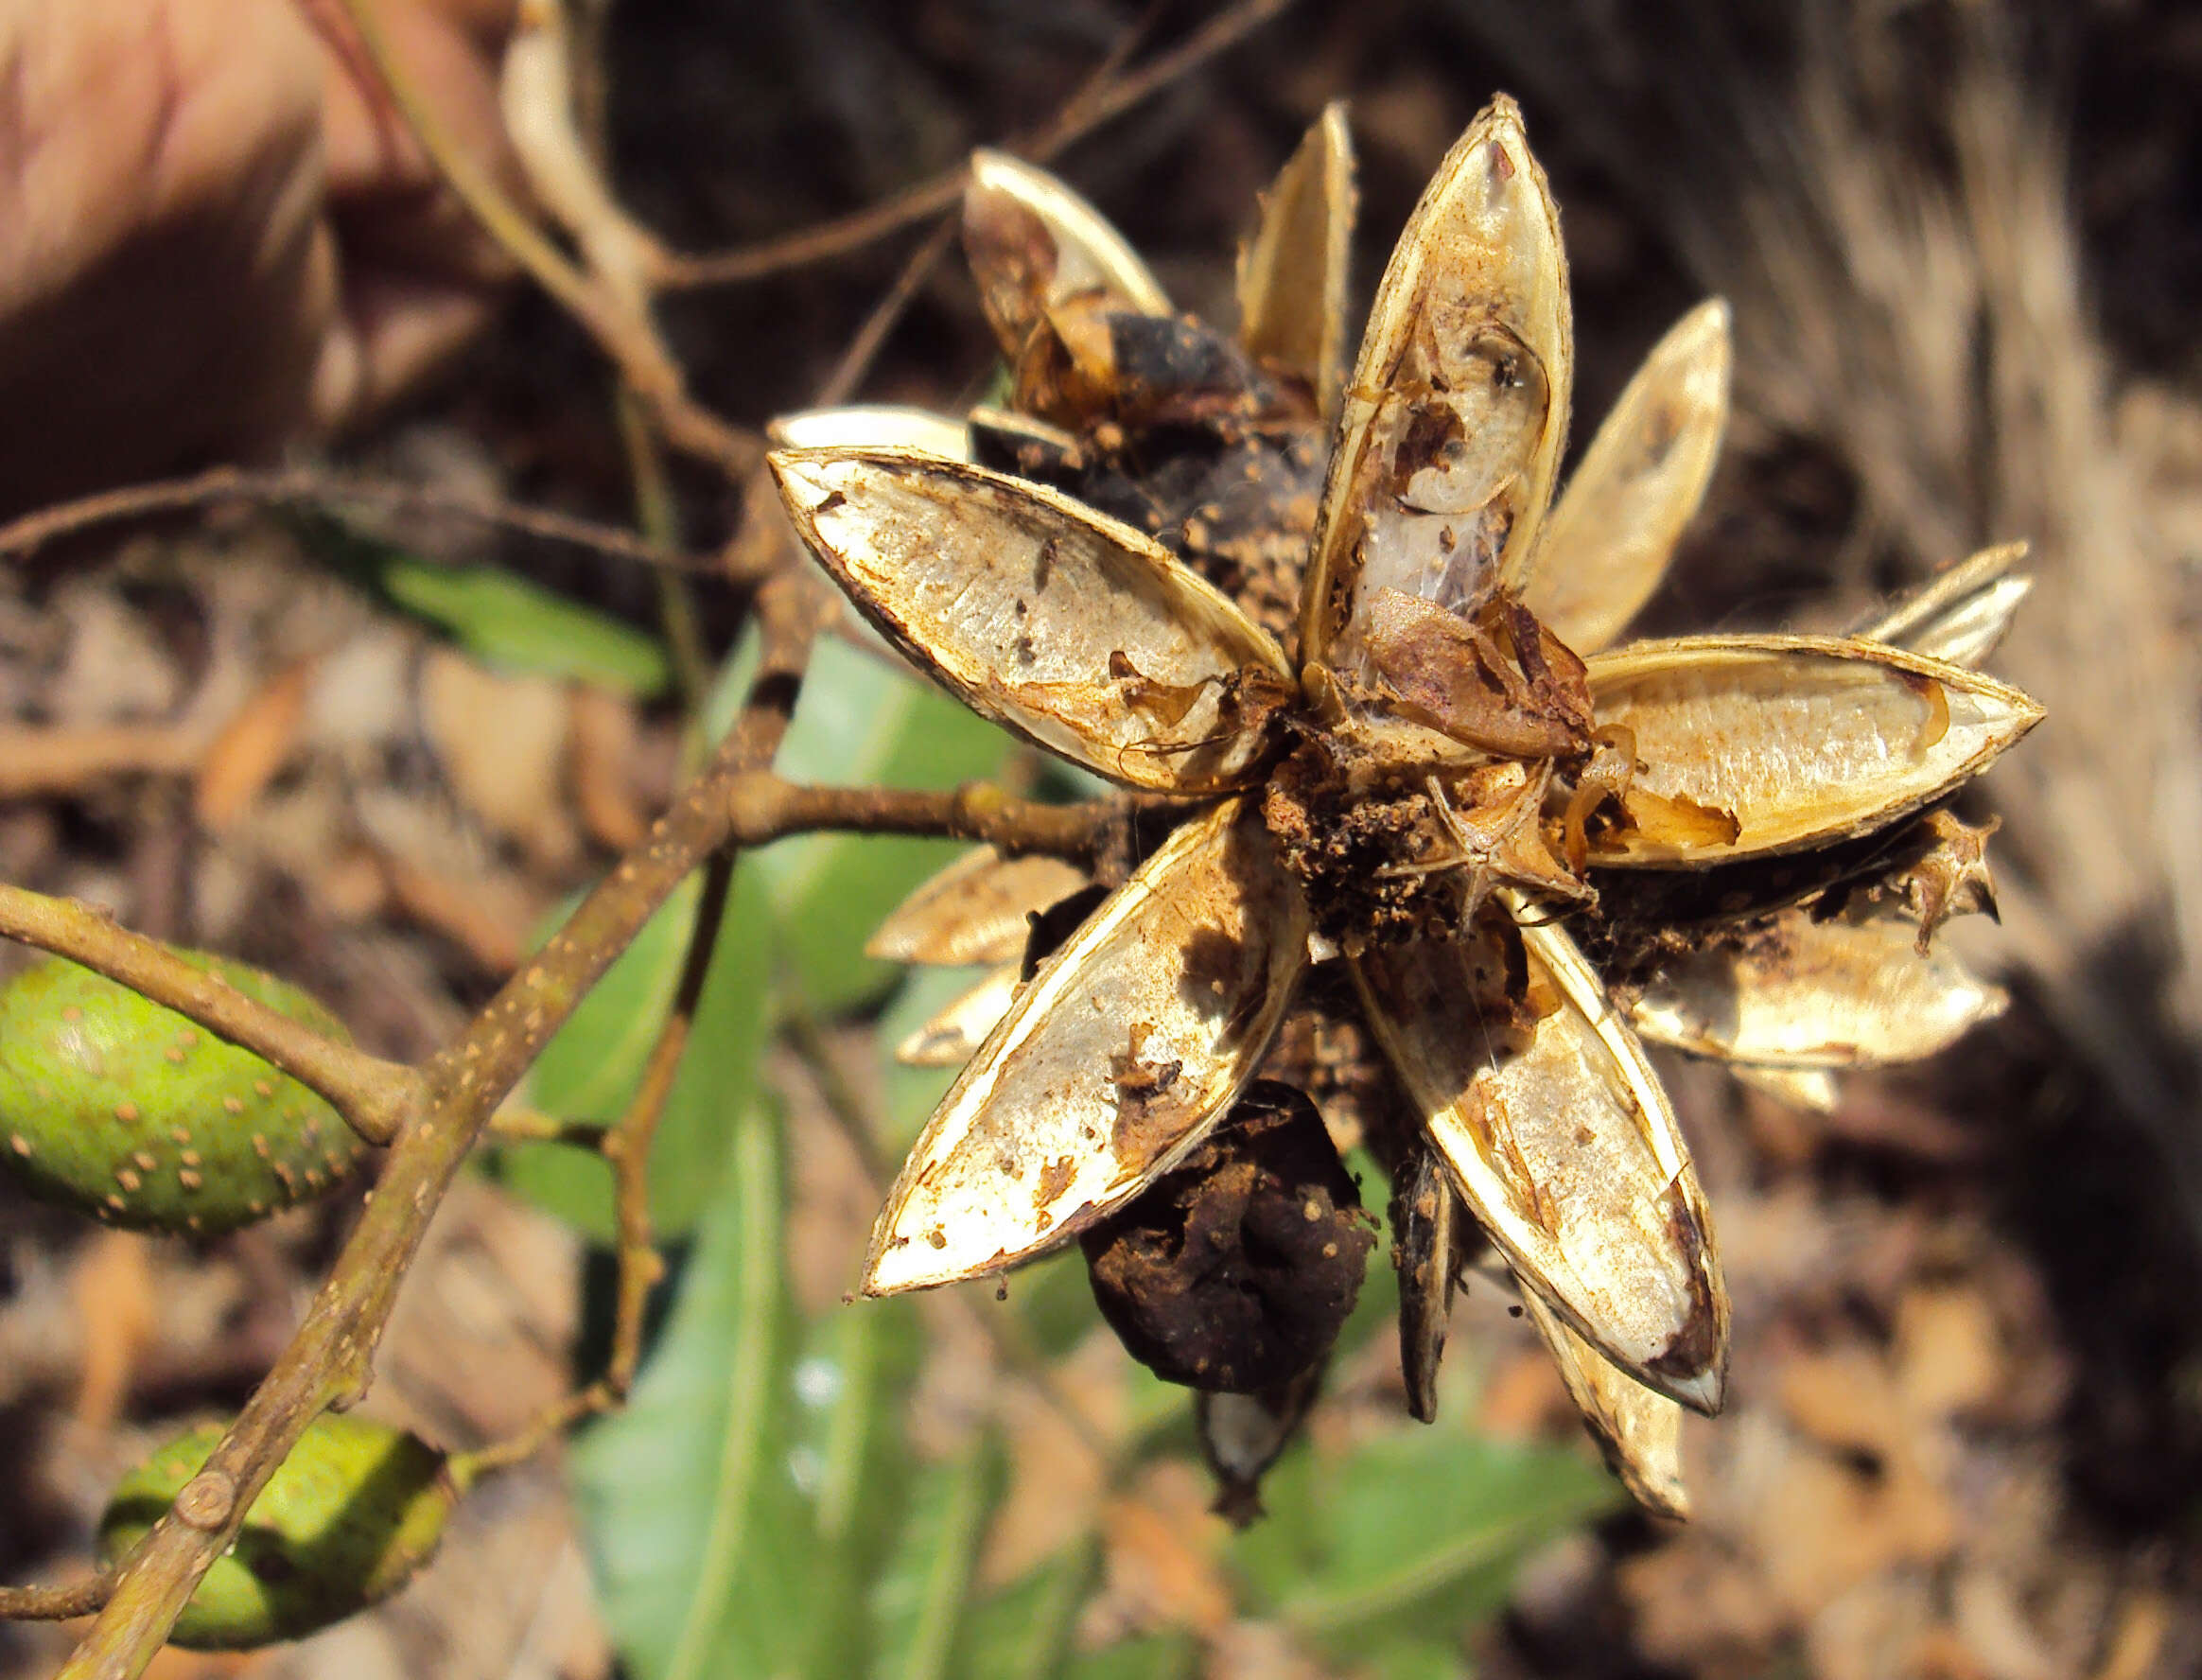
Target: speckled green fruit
[128, 1111]
[354, 1510]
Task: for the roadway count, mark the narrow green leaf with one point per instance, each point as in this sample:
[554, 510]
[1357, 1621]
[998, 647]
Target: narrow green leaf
[861, 722]
[517, 626]
[851, 1383]
[1414, 1532]
[1019, 1631]
[700, 1531]
[1157, 1656]
[592, 1067]
[919, 1601]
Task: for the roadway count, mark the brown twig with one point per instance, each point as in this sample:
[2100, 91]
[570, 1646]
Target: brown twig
[372, 1095]
[623, 332]
[56, 1603]
[318, 487]
[627, 1146]
[765, 807]
[919, 203]
[330, 1361]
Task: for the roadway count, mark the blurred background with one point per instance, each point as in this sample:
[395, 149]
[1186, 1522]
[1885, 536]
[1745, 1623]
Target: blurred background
[1963, 240]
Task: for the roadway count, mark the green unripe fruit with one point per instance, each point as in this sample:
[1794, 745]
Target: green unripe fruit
[115, 1106]
[352, 1512]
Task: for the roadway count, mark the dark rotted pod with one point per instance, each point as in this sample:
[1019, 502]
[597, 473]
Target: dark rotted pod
[1234, 1272]
[354, 1510]
[126, 1111]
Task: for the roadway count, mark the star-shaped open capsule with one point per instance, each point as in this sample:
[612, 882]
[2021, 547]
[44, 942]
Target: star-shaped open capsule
[1426, 786]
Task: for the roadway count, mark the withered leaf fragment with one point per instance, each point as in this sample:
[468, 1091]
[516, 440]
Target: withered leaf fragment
[1049, 1126]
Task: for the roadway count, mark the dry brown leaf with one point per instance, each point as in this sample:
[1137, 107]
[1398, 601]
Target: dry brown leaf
[113, 1288]
[254, 745]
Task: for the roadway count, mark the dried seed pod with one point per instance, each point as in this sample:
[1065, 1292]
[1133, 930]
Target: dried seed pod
[1035, 245]
[872, 425]
[1561, 1142]
[1638, 1430]
[1076, 631]
[1802, 991]
[346, 1519]
[977, 910]
[124, 1110]
[1962, 613]
[1235, 1270]
[1796, 739]
[1242, 1435]
[1292, 272]
[953, 1037]
[1609, 539]
[1452, 426]
[1427, 1223]
[1123, 1049]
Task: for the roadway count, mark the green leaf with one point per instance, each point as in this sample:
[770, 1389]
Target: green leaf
[591, 1070]
[1158, 1657]
[516, 625]
[702, 1534]
[861, 722]
[1019, 1631]
[917, 1603]
[1414, 1532]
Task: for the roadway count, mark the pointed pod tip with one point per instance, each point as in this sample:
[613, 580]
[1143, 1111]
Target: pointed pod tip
[1704, 1391]
[799, 474]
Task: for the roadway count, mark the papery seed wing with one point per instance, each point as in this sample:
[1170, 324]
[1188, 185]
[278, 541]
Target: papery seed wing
[974, 911]
[1562, 1143]
[872, 425]
[1063, 624]
[1034, 243]
[1453, 421]
[1638, 1430]
[1850, 992]
[1116, 1059]
[1963, 613]
[1292, 273]
[1791, 741]
[954, 1036]
[1607, 544]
